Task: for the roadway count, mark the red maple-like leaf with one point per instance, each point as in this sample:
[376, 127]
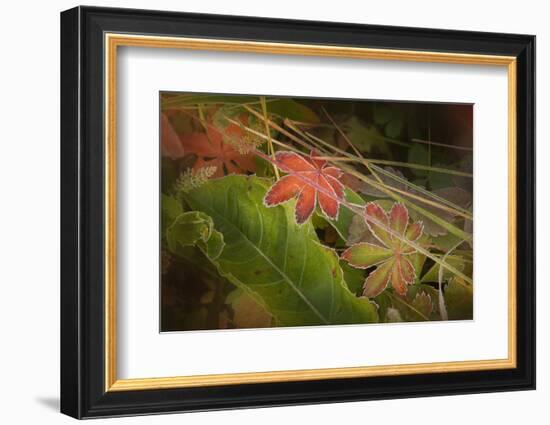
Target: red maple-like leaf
[170, 141]
[210, 148]
[306, 174]
[390, 258]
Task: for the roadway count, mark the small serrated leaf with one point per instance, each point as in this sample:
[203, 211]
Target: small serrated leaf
[423, 303]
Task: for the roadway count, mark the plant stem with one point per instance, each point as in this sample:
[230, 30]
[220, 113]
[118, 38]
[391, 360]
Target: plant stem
[204, 123]
[268, 133]
[444, 145]
[403, 302]
[421, 190]
[422, 167]
[442, 307]
[279, 128]
[467, 216]
[358, 209]
[384, 188]
[263, 136]
[409, 165]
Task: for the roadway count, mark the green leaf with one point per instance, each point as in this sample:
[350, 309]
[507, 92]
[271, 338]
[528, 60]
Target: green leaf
[455, 196]
[263, 167]
[416, 306]
[390, 118]
[384, 305]
[170, 209]
[446, 241]
[428, 214]
[421, 155]
[439, 180]
[423, 303]
[382, 113]
[416, 289]
[318, 220]
[345, 216]
[354, 278]
[214, 246]
[419, 304]
[248, 313]
[365, 137]
[459, 301]
[418, 154]
[187, 229]
[280, 263]
[432, 275]
[219, 119]
[194, 228]
[417, 260]
[358, 231]
[393, 128]
[363, 255]
[288, 108]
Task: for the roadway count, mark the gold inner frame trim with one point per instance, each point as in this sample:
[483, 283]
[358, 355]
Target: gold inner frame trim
[113, 41]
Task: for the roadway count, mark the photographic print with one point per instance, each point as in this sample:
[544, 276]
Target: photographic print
[322, 190]
[291, 211]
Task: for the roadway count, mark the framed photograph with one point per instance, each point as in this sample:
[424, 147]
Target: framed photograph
[261, 212]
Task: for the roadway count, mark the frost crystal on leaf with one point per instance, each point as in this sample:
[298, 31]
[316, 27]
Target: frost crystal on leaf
[306, 176]
[212, 149]
[390, 256]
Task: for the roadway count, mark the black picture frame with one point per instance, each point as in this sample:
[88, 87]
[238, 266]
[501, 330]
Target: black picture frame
[83, 392]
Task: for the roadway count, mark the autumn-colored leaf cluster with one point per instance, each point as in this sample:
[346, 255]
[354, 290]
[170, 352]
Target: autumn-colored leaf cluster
[390, 256]
[298, 212]
[209, 146]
